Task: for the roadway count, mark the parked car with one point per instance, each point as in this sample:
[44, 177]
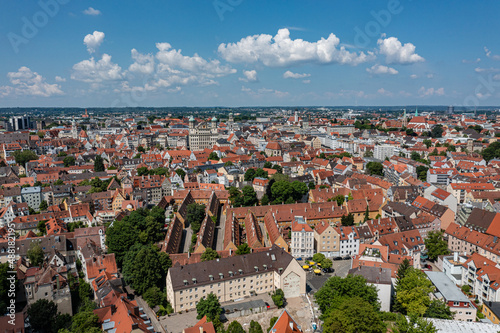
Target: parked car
[337, 258]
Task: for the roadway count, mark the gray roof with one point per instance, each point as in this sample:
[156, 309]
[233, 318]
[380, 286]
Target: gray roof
[458, 326]
[184, 277]
[446, 287]
[373, 275]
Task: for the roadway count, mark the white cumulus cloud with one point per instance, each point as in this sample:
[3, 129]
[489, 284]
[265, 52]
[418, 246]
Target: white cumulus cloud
[92, 11]
[250, 76]
[381, 69]
[60, 79]
[430, 91]
[292, 75]
[93, 41]
[397, 53]
[413, 76]
[144, 63]
[29, 83]
[281, 50]
[92, 71]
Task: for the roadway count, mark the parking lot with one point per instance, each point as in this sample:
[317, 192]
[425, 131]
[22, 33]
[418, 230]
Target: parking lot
[340, 268]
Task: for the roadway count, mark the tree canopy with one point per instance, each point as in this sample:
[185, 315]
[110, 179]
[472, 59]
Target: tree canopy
[354, 315]
[414, 324]
[209, 254]
[42, 315]
[278, 298]
[436, 245]
[98, 164]
[336, 289]
[144, 267]
[35, 254]
[412, 292]
[24, 156]
[209, 307]
[375, 168]
[243, 249]
[195, 215]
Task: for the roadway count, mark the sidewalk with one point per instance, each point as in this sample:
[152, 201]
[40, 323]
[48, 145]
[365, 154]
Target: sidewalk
[150, 313]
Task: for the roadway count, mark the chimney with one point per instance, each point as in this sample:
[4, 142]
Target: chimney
[201, 329]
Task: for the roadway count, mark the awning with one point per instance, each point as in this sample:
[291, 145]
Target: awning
[305, 267]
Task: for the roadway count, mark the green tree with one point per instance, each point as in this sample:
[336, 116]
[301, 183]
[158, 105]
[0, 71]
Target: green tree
[243, 249]
[249, 196]
[153, 231]
[278, 298]
[24, 156]
[415, 156]
[228, 163]
[235, 196]
[268, 165]
[195, 215]
[98, 164]
[412, 292]
[120, 238]
[250, 175]
[299, 190]
[261, 173]
[255, 327]
[42, 229]
[35, 254]
[272, 321]
[209, 307]
[367, 214]
[437, 131]
[181, 173]
[318, 257]
[347, 220]
[235, 327]
[265, 200]
[59, 182]
[213, 156]
[422, 172]
[415, 324]
[69, 161]
[436, 245]
[141, 149]
[354, 315]
[83, 321]
[427, 143]
[375, 168]
[326, 263]
[339, 198]
[142, 171]
[143, 269]
[209, 254]
[438, 309]
[336, 289]
[43, 206]
[42, 315]
[311, 185]
[154, 296]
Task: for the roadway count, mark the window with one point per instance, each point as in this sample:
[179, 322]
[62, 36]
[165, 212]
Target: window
[456, 303]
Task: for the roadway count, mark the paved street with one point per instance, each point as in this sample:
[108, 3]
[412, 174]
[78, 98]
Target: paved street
[219, 235]
[150, 313]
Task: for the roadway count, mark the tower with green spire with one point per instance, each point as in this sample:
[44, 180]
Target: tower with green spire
[416, 112]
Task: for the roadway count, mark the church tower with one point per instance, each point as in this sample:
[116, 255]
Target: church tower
[230, 123]
[74, 131]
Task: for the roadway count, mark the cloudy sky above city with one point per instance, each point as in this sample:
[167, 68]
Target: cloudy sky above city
[249, 53]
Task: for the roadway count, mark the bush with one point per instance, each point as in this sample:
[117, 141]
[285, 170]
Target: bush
[278, 298]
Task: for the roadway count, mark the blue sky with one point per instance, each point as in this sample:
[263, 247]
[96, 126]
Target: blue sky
[249, 53]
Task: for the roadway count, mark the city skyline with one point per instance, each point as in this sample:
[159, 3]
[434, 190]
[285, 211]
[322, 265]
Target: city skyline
[241, 53]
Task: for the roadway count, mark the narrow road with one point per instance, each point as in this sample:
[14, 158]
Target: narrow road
[220, 232]
[151, 315]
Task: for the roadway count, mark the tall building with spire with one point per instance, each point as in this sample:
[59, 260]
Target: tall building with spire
[416, 112]
[202, 135]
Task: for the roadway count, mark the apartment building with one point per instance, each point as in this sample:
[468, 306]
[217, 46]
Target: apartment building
[448, 292]
[302, 245]
[483, 276]
[235, 277]
[349, 241]
[327, 240]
